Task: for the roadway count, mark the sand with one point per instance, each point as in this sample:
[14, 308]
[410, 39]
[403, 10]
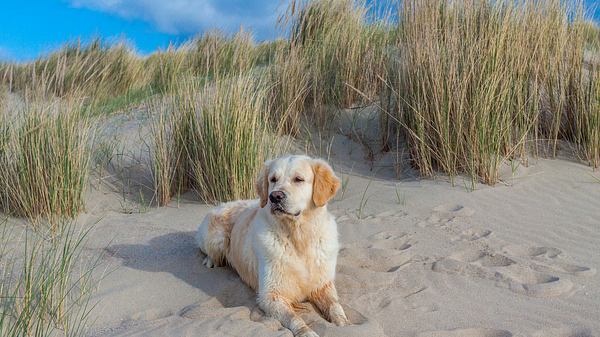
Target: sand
[423, 258]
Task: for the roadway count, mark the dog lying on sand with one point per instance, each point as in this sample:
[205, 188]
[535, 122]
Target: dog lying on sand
[283, 245]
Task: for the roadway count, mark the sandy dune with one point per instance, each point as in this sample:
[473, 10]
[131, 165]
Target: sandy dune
[424, 258]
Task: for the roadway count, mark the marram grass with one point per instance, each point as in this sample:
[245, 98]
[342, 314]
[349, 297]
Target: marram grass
[46, 284]
[44, 156]
[343, 46]
[213, 138]
[469, 84]
[209, 56]
[480, 82]
[95, 70]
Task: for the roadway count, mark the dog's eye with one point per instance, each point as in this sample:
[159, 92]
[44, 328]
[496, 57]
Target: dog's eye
[298, 179]
[273, 179]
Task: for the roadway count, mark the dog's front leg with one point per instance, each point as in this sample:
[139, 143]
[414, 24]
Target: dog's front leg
[326, 300]
[280, 308]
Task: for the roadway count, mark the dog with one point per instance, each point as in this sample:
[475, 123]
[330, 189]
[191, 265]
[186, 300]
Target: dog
[283, 245]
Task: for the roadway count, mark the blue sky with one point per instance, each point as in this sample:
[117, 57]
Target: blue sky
[30, 28]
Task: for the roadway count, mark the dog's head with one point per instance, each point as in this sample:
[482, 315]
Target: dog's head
[292, 185]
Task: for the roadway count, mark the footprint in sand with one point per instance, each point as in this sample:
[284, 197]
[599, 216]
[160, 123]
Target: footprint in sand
[535, 284]
[381, 252]
[505, 272]
[474, 332]
[387, 216]
[386, 235]
[564, 332]
[483, 258]
[444, 214]
[395, 240]
[538, 252]
[473, 234]
[549, 259]
[573, 269]
[544, 251]
[375, 259]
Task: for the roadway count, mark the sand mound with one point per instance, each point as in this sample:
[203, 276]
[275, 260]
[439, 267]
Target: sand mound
[421, 258]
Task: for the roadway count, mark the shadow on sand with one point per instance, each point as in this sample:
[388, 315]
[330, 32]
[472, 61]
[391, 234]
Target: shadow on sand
[176, 253]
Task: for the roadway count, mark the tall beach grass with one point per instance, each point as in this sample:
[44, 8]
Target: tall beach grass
[95, 70]
[469, 84]
[481, 82]
[290, 89]
[206, 57]
[343, 46]
[586, 128]
[213, 138]
[45, 282]
[44, 156]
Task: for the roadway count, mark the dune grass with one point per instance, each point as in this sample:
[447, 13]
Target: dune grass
[131, 99]
[96, 70]
[585, 127]
[45, 282]
[479, 82]
[221, 118]
[215, 54]
[231, 137]
[290, 86]
[469, 84]
[213, 138]
[44, 156]
[343, 46]
[166, 67]
[168, 152]
[591, 32]
[209, 56]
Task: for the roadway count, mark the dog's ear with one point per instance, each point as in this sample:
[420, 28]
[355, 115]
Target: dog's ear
[262, 184]
[325, 184]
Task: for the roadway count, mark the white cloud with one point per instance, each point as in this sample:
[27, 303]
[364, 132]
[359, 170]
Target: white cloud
[191, 16]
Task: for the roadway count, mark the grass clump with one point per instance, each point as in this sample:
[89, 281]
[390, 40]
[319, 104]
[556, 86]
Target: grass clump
[469, 84]
[167, 67]
[215, 54]
[45, 283]
[207, 57]
[213, 138]
[585, 126]
[44, 156]
[343, 46]
[96, 70]
[479, 81]
[290, 86]
[591, 33]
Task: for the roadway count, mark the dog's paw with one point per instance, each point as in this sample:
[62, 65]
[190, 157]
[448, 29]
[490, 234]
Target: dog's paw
[337, 316]
[308, 333]
[208, 262]
[340, 320]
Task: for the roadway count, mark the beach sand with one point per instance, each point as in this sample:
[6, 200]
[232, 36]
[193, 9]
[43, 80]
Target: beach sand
[424, 257]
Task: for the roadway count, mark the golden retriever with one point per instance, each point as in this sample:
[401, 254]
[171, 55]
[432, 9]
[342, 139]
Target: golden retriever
[283, 245]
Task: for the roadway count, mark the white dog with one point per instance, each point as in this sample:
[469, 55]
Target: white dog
[283, 245]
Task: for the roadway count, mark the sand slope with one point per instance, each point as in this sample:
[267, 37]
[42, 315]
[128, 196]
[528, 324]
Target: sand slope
[423, 258]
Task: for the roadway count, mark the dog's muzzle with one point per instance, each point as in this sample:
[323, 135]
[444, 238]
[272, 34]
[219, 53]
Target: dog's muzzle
[278, 199]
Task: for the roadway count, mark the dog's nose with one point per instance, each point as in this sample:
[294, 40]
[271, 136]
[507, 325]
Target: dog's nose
[276, 196]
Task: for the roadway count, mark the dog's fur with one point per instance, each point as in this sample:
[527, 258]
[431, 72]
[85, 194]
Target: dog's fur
[286, 251]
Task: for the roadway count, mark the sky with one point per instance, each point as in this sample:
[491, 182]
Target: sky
[30, 28]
